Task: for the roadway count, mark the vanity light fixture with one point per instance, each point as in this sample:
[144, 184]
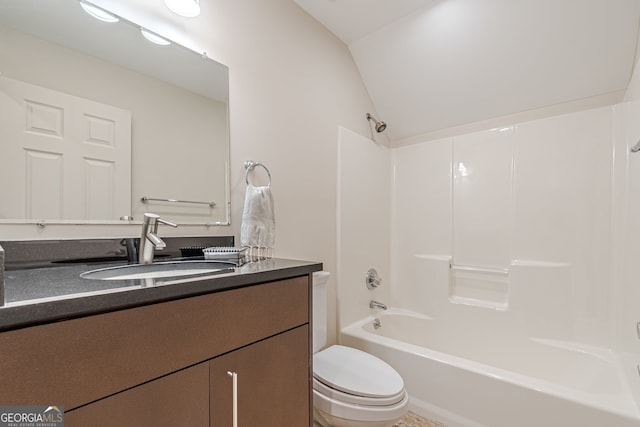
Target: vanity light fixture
[186, 8]
[154, 38]
[98, 12]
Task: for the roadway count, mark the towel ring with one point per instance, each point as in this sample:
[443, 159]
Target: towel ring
[250, 165]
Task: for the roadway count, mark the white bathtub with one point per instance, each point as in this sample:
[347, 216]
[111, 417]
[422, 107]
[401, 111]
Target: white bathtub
[465, 379]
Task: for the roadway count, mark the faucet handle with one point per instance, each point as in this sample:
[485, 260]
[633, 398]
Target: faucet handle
[372, 279]
[151, 218]
[148, 216]
[162, 221]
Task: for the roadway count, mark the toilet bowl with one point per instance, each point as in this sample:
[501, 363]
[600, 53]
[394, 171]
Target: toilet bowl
[351, 388]
[354, 388]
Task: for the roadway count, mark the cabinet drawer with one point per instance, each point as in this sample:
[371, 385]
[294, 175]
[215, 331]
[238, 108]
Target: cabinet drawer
[74, 362]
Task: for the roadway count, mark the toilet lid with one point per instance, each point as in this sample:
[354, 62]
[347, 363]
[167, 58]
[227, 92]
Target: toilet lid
[356, 372]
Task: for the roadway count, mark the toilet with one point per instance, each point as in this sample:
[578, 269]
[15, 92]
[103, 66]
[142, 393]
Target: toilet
[351, 388]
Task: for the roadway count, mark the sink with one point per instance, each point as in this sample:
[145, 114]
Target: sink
[158, 270]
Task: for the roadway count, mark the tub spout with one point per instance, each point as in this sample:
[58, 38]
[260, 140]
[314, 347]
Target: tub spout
[376, 304]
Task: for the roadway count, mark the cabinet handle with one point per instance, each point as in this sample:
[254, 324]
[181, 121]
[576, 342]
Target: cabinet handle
[234, 379]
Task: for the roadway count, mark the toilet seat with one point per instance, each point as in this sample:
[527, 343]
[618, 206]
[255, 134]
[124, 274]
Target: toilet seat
[351, 375]
[323, 389]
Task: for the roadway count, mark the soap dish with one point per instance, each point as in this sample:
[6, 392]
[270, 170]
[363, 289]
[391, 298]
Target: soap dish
[226, 253]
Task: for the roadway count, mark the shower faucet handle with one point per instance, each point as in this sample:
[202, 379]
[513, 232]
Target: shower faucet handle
[372, 279]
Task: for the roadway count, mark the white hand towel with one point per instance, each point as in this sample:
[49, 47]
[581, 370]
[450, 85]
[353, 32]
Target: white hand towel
[258, 219]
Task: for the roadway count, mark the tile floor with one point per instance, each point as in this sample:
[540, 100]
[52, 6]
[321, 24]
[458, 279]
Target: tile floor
[409, 420]
[414, 420]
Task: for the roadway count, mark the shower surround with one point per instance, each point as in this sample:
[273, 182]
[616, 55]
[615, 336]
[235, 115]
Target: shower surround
[518, 234]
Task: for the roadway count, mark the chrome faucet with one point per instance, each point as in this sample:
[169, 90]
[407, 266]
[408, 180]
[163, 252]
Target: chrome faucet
[149, 240]
[376, 304]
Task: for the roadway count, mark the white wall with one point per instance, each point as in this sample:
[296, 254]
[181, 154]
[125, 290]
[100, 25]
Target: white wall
[626, 228]
[364, 210]
[424, 208]
[626, 211]
[554, 192]
[545, 199]
[633, 90]
[496, 57]
[291, 85]
[532, 199]
[562, 211]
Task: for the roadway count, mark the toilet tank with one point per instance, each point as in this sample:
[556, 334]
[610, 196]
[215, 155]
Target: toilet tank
[320, 280]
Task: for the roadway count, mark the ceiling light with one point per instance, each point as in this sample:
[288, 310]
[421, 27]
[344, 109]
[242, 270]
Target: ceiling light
[188, 8]
[98, 13]
[154, 38]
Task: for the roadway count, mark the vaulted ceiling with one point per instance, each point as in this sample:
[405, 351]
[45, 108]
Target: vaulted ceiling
[434, 64]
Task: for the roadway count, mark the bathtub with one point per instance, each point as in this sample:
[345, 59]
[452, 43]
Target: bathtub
[466, 379]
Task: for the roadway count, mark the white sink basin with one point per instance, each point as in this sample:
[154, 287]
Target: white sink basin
[157, 270]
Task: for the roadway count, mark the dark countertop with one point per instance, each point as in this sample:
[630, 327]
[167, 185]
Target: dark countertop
[42, 295]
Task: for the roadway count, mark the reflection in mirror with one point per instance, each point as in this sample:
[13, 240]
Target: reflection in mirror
[98, 123]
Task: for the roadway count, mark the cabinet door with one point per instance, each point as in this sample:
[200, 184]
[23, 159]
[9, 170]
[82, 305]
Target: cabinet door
[176, 400]
[273, 383]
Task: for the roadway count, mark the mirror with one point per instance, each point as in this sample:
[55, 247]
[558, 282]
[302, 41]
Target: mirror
[98, 124]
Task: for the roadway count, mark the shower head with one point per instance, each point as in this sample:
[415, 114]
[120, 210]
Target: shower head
[380, 126]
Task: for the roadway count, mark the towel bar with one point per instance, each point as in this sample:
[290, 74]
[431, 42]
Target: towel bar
[145, 199]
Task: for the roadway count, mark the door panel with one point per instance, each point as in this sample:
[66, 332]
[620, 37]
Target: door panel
[63, 156]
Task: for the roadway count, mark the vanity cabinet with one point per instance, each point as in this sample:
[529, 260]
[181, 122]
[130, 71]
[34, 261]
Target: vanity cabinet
[167, 363]
[272, 383]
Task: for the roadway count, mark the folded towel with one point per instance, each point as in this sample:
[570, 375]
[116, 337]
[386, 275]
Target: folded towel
[258, 219]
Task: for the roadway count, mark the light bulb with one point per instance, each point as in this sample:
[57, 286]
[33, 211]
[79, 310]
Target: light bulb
[187, 8]
[98, 13]
[154, 38]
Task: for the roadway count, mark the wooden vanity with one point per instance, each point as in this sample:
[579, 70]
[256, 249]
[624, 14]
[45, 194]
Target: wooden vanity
[171, 363]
